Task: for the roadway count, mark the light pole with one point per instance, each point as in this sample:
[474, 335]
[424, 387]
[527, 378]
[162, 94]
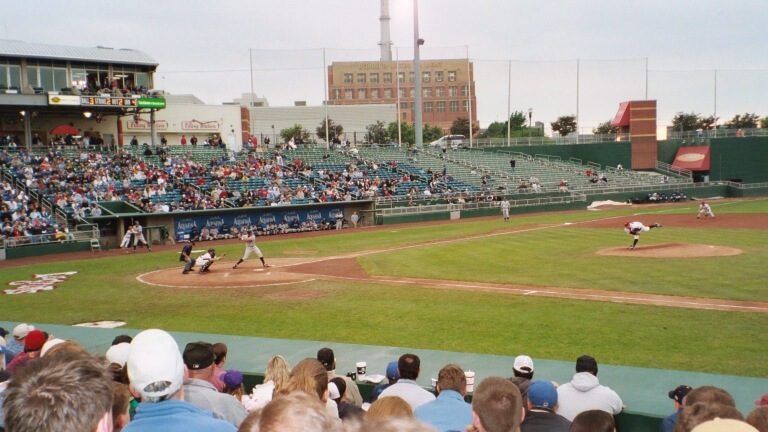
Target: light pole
[417, 42]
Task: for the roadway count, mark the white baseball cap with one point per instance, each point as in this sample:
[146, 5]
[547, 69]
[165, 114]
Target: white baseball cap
[21, 330]
[154, 357]
[724, 425]
[523, 361]
[50, 344]
[119, 353]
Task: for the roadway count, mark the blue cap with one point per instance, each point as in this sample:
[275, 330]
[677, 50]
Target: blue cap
[543, 394]
[392, 370]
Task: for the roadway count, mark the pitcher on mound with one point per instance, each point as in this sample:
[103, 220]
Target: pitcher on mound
[635, 228]
[250, 247]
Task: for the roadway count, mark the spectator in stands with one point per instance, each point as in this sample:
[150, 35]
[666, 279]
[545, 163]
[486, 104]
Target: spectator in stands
[496, 406]
[593, 421]
[15, 343]
[297, 411]
[337, 388]
[762, 401]
[233, 384]
[327, 358]
[449, 412]
[759, 418]
[121, 405]
[700, 412]
[541, 407]
[199, 359]
[708, 394]
[409, 367]
[309, 376]
[522, 370]
[276, 378]
[387, 407]
[584, 392]
[678, 396]
[392, 377]
[33, 344]
[70, 392]
[220, 359]
[156, 373]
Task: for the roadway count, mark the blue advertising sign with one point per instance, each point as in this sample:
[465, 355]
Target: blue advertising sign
[184, 225]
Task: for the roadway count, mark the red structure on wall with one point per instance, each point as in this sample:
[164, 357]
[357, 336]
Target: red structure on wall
[638, 119]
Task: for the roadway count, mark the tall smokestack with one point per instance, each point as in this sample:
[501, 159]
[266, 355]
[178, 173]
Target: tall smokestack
[386, 42]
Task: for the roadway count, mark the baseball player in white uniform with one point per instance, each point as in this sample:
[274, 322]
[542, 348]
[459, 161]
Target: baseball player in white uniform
[505, 209]
[250, 247]
[138, 236]
[635, 228]
[705, 210]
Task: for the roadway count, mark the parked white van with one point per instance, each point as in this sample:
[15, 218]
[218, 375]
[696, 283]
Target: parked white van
[452, 141]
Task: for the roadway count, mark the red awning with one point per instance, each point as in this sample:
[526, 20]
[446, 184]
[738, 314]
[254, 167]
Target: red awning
[692, 158]
[622, 116]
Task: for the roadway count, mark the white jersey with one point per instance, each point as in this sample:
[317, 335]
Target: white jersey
[250, 247]
[505, 205]
[203, 259]
[636, 226]
[704, 208]
[250, 241]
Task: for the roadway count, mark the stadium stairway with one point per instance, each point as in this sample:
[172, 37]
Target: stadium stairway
[643, 390]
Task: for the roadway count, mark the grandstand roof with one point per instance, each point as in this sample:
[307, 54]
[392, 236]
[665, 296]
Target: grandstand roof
[14, 48]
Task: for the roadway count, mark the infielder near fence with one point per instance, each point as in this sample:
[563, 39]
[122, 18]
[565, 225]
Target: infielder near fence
[635, 228]
[250, 247]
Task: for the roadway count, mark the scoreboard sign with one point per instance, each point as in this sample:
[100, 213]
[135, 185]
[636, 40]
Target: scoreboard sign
[107, 101]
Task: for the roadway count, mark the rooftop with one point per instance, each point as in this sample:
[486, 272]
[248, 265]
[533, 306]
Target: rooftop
[14, 48]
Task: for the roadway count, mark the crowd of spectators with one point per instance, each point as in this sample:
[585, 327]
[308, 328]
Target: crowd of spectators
[23, 220]
[147, 383]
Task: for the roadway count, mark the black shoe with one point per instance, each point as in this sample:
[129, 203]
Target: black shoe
[185, 272]
[234, 267]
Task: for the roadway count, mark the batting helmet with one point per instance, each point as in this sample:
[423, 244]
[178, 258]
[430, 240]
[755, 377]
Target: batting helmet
[212, 250]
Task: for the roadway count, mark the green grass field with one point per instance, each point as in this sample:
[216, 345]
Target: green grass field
[481, 322]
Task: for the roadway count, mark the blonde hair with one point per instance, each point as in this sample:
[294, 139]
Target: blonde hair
[279, 372]
[294, 412]
[308, 376]
[390, 406]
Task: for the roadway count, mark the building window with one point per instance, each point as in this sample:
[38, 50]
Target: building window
[426, 76]
[403, 105]
[374, 93]
[452, 76]
[387, 93]
[361, 94]
[401, 77]
[413, 105]
[387, 77]
[347, 78]
[465, 90]
[438, 76]
[453, 91]
[361, 78]
[428, 107]
[404, 115]
[440, 106]
[374, 78]
[348, 94]
[336, 93]
[413, 92]
[465, 105]
[440, 91]
[401, 92]
[454, 106]
[427, 92]
[410, 77]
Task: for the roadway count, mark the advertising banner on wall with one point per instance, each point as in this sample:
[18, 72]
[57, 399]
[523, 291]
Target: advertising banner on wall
[184, 225]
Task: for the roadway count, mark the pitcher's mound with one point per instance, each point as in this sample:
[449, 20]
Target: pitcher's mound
[672, 250]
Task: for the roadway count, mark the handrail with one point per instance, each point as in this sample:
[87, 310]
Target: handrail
[671, 169]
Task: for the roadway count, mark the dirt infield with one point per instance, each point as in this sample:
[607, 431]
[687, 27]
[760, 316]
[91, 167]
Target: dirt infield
[747, 220]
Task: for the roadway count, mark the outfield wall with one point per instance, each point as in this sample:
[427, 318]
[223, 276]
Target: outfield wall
[743, 158]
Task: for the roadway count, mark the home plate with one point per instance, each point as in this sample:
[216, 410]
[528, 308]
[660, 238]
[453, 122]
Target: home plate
[568, 223]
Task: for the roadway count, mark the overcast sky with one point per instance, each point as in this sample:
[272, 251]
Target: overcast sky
[204, 48]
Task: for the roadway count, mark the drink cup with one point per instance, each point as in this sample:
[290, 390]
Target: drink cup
[470, 381]
[434, 382]
[361, 370]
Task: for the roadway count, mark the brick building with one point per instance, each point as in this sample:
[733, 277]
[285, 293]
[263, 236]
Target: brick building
[447, 88]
